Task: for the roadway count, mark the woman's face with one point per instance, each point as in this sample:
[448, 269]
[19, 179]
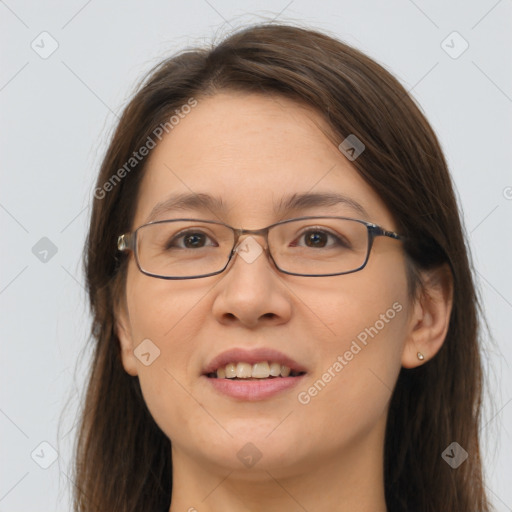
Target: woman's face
[348, 332]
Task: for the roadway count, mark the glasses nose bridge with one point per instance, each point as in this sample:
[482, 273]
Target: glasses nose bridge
[256, 232]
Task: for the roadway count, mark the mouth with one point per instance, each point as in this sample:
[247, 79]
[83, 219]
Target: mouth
[262, 370]
[256, 364]
[253, 375]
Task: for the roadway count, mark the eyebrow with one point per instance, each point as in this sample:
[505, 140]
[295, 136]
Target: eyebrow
[207, 203]
[310, 200]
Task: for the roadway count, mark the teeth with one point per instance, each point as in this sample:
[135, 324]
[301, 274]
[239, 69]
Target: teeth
[261, 370]
[275, 369]
[230, 371]
[285, 371]
[243, 370]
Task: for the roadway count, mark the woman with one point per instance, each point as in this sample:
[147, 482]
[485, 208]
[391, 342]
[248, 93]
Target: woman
[284, 312]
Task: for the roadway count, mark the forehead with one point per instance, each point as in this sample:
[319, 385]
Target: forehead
[252, 151]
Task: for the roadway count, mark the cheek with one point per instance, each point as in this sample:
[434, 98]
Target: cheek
[360, 353]
[166, 314]
[369, 307]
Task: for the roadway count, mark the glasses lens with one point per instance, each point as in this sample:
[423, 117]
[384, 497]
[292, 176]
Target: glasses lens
[319, 246]
[183, 248]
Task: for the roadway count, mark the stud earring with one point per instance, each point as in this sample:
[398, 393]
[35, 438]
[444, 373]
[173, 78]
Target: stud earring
[421, 356]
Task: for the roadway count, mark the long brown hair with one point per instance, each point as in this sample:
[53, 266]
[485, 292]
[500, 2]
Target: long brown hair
[123, 460]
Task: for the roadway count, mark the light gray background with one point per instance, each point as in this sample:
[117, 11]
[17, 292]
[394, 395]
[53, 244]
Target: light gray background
[57, 114]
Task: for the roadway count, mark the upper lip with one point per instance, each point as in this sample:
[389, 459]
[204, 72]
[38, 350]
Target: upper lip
[240, 355]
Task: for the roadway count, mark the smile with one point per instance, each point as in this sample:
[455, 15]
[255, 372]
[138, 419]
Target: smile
[247, 371]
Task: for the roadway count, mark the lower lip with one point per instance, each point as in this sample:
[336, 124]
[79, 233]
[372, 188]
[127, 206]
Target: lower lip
[252, 390]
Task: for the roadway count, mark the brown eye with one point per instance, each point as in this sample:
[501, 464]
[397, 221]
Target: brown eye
[188, 240]
[194, 240]
[320, 239]
[316, 239]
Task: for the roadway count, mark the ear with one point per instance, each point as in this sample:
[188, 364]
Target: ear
[123, 331]
[430, 316]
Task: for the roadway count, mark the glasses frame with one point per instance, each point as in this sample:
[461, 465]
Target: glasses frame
[128, 242]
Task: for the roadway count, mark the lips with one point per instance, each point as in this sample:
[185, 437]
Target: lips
[237, 355]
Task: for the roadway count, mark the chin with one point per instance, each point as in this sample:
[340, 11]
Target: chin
[251, 447]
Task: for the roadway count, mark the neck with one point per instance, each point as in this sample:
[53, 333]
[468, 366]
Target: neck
[349, 479]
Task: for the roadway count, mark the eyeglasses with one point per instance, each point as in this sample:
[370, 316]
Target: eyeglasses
[305, 246]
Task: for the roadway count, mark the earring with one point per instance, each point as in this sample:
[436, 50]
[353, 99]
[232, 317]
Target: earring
[421, 356]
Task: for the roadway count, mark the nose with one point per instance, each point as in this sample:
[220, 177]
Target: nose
[251, 293]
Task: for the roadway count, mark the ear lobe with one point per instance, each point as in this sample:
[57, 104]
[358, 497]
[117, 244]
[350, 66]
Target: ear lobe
[122, 329]
[430, 318]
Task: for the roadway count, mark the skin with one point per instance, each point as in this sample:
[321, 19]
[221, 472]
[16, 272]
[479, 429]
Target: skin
[251, 150]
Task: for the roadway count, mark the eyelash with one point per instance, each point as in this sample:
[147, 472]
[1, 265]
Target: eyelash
[339, 241]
